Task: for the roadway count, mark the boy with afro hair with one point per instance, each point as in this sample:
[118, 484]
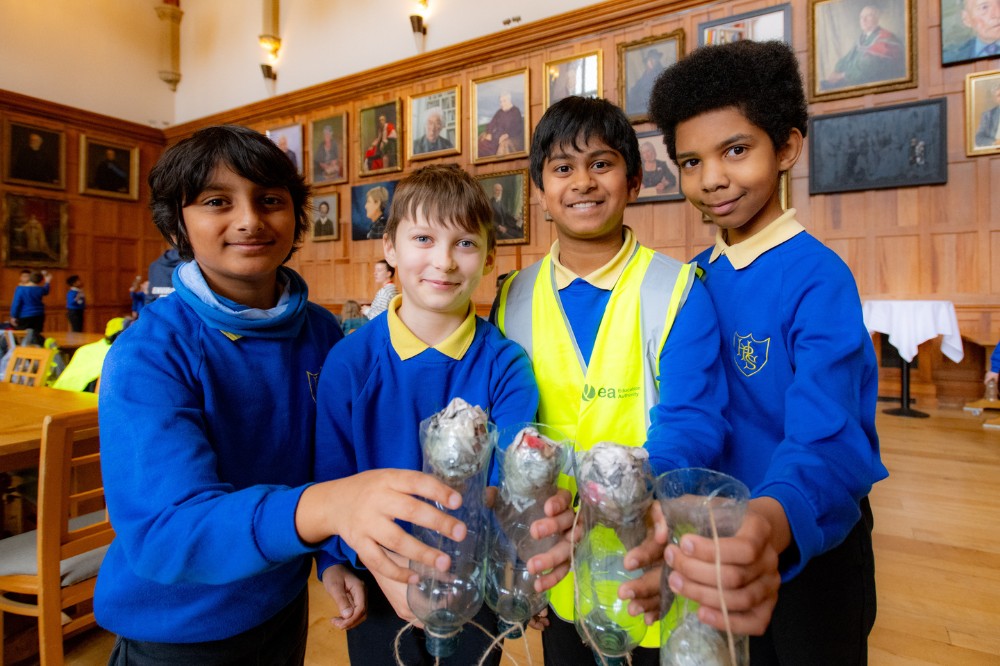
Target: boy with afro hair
[799, 362]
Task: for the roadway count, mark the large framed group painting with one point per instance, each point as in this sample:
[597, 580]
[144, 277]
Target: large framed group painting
[886, 147]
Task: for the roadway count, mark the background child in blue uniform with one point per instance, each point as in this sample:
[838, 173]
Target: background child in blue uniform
[75, 303]
[207, 414]
[799, 363]
[27, 309]
[386, 377]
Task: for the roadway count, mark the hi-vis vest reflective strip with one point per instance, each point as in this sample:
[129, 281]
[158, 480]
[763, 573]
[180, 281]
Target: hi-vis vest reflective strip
[609, 399]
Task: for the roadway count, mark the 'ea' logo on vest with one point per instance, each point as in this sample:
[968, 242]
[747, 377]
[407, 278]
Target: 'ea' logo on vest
[589, 392]
[751, 355]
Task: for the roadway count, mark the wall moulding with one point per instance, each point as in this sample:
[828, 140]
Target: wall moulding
[523, 39]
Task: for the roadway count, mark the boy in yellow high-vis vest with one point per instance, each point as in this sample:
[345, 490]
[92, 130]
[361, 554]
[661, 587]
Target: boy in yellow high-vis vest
[624, 341]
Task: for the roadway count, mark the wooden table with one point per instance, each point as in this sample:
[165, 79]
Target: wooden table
[68, 341]
[22, 410]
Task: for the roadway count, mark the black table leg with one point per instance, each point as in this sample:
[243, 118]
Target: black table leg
[904, 408]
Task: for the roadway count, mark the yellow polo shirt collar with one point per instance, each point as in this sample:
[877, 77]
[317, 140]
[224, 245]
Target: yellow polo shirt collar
[407, 345]
[746, 252]
[605, 277]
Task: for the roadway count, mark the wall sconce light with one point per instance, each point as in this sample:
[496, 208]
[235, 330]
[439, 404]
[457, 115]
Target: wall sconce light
[418, 23]
[268, 38]
[271, 45]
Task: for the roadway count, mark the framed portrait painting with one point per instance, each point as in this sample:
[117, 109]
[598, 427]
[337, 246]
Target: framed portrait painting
[661, 180]
[436, 124]
[328, 150]
[325, 216]
[858, 47]
[370, 209]
[508, 194]
[982, 113]
[890, 146]
[289, 139]
[578, 75]
[35, 232]
[639, 63]
[34, 156]
[772, 23]
[969, 30]
[380, 132]
[108, 169]
[499, 117]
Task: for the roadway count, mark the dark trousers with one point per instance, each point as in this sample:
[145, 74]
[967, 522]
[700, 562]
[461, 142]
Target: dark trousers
[371, 642]
[824, 615]
[36, 323]
[564, 647]
[281, 641]
[75, 318]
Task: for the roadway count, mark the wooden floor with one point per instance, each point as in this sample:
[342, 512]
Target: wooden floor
[937, 548]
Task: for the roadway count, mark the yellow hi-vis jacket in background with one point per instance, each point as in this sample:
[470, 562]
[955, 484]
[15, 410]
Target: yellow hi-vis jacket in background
[609, 398]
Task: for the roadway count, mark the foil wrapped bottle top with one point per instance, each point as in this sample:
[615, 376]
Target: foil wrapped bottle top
[531, 466]
[457, 441]
[615, 479]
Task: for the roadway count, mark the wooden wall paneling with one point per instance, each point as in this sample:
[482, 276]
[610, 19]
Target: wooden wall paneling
[897, 271]
[954, 266]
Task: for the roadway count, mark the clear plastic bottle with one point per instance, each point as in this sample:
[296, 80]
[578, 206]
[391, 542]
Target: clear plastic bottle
[445, 601]
[710, 504]
[533, 456]
[616, 488]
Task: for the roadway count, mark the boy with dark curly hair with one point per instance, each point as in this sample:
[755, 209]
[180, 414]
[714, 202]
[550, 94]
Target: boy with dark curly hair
[799, 363]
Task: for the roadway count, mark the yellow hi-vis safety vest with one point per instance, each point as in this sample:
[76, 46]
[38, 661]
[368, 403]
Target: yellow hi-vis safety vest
[608, 399]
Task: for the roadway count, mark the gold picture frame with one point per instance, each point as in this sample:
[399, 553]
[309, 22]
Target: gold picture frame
[34, 155]
[508, 195]
[381, 138]
[499, 117]
[328, 150]
[435, 120]
[325, 225]
[982, 113]
[639, 63]
[856, 48]
[581, 74]
[108, 169]
[35, 231]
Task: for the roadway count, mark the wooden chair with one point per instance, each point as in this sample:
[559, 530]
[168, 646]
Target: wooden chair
[29, 366]
[57, 563]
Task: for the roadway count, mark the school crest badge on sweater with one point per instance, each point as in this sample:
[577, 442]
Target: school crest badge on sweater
[751, 354]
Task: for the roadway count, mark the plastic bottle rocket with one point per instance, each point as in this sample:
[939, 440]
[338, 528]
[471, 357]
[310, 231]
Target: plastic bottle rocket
[456, 443]
[530, 464]
[615, 484]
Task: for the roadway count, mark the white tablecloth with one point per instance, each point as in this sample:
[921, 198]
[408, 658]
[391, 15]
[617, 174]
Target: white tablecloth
[908, 323]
